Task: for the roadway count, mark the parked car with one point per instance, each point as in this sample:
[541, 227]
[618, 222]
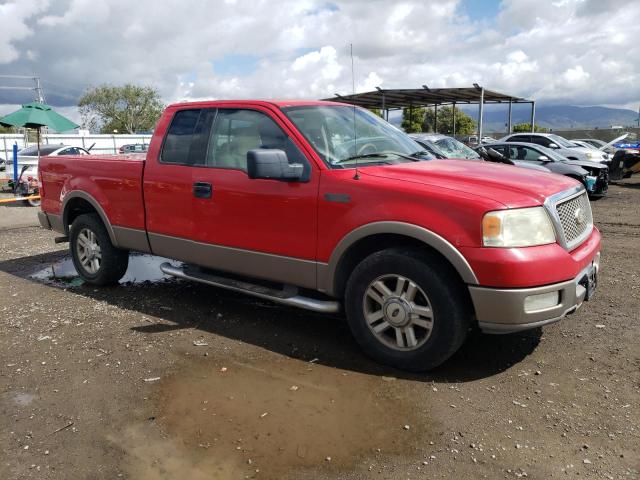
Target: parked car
[3, 164]
[58, 149]
[442, 146]
[593, 175]
[472, 140]
[29, 157]
[280, 201]
[133, 148]
[593, 142]
[626, 162]
[559, 144]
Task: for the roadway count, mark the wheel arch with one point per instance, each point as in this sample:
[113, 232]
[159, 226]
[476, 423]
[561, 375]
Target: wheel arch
[77, 203]
[367, 239]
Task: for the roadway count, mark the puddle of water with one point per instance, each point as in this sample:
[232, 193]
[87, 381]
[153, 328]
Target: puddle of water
[23, 399]
[277, 418]
[142, 268]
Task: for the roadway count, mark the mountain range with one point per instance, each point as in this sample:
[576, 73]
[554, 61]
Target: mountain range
[554, 117]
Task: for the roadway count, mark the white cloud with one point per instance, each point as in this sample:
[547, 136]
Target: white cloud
[576, 51]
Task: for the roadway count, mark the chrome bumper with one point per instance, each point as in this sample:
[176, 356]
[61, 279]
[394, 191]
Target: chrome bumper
[506, 310]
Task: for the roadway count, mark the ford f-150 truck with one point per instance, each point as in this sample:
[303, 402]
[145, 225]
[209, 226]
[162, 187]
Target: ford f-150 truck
[322, 205]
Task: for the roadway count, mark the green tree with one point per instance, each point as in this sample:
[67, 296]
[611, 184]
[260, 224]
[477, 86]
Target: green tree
[127, 109]
[465, 125]
[413, 119]
[526, 127]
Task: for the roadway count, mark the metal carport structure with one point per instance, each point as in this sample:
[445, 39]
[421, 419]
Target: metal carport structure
[395, 99]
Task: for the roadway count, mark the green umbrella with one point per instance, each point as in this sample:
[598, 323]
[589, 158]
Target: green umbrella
[36, 115]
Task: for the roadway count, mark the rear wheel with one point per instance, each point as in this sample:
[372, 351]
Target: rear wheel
[96, 260]
[407, 308]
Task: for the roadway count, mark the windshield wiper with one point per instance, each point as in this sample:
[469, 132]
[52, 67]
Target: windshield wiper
[414, 157]
[365, 155]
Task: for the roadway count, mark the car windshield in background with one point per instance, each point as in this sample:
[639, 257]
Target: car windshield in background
[455, 149]
[344, 136]
[561, 141]
[44, 150]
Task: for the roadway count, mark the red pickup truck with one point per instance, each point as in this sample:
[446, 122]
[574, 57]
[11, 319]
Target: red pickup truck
[319, 205]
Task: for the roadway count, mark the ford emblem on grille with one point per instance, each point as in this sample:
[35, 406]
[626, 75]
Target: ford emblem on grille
[579, 215]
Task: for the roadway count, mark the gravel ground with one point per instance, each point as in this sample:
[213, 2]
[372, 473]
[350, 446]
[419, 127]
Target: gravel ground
[159, 379]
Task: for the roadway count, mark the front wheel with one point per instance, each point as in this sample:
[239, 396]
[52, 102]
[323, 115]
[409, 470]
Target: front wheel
[96, 260]
[407, 308]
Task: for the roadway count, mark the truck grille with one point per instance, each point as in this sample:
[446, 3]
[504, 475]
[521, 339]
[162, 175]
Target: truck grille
[575, 218]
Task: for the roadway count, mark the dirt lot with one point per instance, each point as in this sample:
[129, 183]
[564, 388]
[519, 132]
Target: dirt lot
[163, 379]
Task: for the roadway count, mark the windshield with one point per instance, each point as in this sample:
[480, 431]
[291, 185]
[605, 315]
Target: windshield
[561, 141]
[455, 149]
[343, 136]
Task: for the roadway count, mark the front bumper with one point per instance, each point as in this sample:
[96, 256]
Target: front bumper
[500, 310]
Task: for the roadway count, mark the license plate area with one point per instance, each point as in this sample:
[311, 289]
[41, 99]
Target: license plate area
[589, 280]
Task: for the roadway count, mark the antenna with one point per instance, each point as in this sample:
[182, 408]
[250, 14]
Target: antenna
[355, 131]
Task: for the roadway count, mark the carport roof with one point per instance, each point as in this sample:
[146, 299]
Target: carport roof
[415, 97]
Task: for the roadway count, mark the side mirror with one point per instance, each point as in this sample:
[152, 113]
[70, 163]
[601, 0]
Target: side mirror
[272, 164]
[543, 158]
[553, 145]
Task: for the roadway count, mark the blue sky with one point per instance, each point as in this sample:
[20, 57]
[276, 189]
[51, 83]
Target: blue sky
[481, 9]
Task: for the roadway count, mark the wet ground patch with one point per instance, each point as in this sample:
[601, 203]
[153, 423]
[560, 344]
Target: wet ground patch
[232, 419]
[142, 268]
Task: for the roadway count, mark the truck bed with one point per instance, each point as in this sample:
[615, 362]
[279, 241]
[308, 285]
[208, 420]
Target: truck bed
[113, 181]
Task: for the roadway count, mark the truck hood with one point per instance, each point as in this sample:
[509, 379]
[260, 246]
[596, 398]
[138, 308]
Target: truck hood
[510, 185]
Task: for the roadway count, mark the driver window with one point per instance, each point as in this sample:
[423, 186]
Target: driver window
[527, 154]
[237, 131]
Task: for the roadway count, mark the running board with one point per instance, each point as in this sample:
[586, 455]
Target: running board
[287, 296]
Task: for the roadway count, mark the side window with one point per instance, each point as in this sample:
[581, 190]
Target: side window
[237, 131]
[501, 150]
[544, 141]
[180, 138]
[527, 154]
[520, 138]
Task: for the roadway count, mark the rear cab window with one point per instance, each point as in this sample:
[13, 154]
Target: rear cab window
[183, 142]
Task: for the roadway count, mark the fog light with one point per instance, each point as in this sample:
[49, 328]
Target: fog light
[534, 303]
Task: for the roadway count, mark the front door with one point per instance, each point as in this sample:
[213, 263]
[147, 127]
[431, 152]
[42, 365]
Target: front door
[261, 228]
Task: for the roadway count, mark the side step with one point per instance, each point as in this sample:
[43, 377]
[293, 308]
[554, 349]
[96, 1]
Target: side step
[287, 296]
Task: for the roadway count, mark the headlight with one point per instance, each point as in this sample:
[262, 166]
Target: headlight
[593, 155]
[519, 227]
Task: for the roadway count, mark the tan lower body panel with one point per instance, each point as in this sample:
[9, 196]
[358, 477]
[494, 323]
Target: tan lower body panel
[276, 268]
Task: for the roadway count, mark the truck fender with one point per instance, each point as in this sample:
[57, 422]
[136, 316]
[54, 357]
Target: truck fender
[94, 203]
[327, 272]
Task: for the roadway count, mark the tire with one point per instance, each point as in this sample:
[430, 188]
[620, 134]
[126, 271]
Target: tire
[89, 237]
[432, 286]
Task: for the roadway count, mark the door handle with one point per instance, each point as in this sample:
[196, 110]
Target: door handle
[202, 190]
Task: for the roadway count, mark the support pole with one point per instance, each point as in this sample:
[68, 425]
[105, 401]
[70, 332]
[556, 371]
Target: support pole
[453, 109]
[509, 127]
[533, 117]
[15, 164]
[384, 106]
[480, 115]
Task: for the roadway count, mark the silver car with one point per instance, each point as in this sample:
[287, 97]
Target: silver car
[561, 145]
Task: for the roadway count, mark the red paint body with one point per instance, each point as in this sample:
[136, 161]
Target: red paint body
[293, 219]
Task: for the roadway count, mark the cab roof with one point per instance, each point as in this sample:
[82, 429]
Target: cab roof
[280, 103]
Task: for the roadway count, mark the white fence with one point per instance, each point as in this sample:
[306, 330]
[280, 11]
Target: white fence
[101, 143]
